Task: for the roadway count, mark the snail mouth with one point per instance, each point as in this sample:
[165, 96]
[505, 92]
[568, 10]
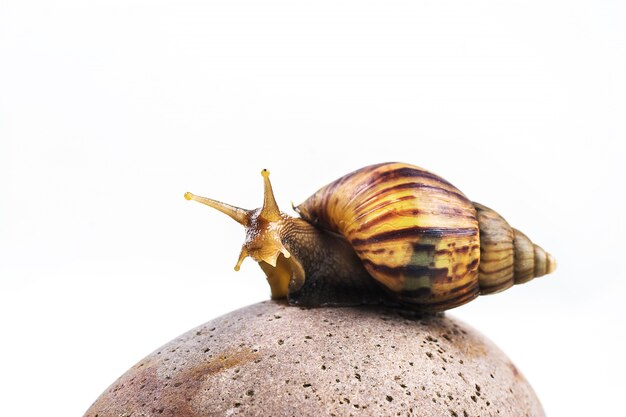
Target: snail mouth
[287, 276]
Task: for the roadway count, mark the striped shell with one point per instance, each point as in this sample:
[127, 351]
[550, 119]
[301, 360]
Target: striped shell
[421, 238]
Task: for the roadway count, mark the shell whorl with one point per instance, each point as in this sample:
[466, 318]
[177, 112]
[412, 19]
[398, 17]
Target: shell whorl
[421, 238]
[507, 256]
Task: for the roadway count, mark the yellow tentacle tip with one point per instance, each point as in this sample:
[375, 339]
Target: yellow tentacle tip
[265, 173]
[242, 255]
[188, 196]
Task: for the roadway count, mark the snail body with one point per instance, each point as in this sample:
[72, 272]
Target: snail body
[388, 233]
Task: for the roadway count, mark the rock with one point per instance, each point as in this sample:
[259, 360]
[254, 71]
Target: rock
[270, 359]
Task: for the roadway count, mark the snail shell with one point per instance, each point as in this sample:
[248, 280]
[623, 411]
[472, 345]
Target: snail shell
[416, 235]
[421, 238]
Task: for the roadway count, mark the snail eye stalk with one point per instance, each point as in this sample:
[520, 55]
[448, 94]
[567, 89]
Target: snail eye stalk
[269, 211]
[240, 215]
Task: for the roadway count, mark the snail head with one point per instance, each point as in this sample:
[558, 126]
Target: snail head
[263, 241]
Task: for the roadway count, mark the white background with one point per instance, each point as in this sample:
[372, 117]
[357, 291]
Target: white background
[111, 110]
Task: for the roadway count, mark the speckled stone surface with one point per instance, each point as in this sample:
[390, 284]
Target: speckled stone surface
[270, 359]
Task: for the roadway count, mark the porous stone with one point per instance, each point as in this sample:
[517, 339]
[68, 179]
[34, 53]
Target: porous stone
[270, 359]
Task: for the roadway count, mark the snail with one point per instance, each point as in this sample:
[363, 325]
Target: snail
[389, 233]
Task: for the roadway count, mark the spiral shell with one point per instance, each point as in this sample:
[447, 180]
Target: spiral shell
[507, 256]
[421, 238]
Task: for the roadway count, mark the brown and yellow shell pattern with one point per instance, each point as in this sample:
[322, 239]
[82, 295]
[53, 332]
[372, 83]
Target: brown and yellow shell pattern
[416, 233]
